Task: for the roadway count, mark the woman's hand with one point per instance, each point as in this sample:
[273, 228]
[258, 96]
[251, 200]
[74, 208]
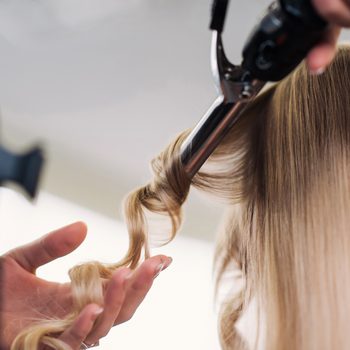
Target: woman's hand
[337, 13]
[25, 297]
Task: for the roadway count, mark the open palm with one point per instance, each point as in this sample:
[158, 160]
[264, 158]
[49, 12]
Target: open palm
[26, 298]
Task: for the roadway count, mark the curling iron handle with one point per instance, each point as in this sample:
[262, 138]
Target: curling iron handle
[282, 39]
[303, 12]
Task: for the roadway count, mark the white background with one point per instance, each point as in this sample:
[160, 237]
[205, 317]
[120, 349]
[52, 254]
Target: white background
[177, 314]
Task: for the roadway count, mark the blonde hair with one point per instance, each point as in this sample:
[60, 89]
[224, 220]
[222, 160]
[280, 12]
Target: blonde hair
[284, 170]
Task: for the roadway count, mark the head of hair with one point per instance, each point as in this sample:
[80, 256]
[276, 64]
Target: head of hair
[284, 171]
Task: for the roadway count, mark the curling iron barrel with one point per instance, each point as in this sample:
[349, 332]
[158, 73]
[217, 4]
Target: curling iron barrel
[278, 43]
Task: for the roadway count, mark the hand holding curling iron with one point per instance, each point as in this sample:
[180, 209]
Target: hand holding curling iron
[337, 13]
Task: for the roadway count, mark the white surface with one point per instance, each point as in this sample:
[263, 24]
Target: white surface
[107, 84]
[177, 313]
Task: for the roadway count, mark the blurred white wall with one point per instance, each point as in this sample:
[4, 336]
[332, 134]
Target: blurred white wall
[105, 85]
[177, 314]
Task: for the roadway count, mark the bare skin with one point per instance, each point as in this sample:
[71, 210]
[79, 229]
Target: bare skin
[25, 296]
[337, 13]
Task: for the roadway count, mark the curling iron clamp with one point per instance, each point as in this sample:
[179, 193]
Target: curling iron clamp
[277, 44]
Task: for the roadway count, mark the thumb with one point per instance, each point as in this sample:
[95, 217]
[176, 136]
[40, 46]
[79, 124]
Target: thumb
[49, 247]
[321, 55]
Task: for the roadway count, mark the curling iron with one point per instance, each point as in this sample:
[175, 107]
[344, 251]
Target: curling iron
[277, 44]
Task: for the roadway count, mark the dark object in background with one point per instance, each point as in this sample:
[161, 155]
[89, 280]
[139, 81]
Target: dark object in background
[22, 169]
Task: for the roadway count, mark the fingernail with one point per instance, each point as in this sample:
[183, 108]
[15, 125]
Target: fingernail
[162, 266]
[168, 262]
[317, 71]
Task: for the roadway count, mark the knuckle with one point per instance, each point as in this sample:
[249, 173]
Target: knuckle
[139, 287]
[117, 280]
[47, 249]
[136, 286]
[127, 316]
[104, 334]
[125, 319]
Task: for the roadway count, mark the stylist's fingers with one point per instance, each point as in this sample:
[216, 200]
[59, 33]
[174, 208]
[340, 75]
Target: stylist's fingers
[81, 327]
[139, 283]
[334, 11]
[113, 301]
[49, 247]
[322, 55]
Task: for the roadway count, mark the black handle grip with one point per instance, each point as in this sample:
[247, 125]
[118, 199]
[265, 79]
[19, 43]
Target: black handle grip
[282, 39]
[303, 12]
[218, 15]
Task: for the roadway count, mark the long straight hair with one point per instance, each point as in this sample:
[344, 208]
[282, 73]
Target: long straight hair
[289, 232]
[284, 172]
